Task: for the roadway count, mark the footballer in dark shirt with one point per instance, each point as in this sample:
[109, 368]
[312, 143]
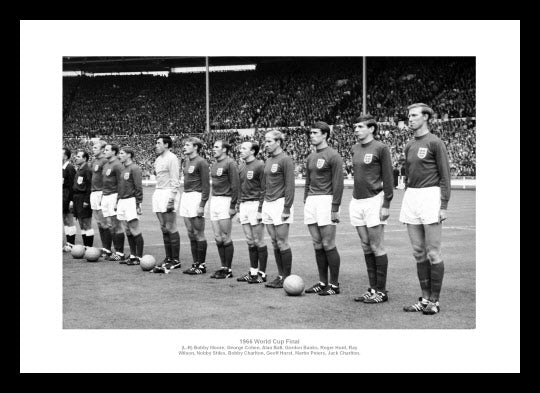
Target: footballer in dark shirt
[249, 212]
[193, 201]
[370, 205]
[68, 175]
[424, 205]
[82, 185]
[225, 190]
[322, 199]
[128, 208]
[277, 209]
[96, 167]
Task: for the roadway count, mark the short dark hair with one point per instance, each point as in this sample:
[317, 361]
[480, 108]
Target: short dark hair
[114, 148]
[369, 121]
[195, 142]
[324, 127]
[129, 150]
[224, 145]
[255, 147]
[426, 110]
[166, 140]
[67, 152]
[85, 154]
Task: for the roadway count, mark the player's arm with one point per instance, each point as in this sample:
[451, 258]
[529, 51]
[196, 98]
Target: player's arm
[70, 178]
[406, 165]
[136, 172]
[204, 170]
[88, 181]
[234, 181]
[443, 165]
[388, 182]
[288, 172]
[308, 179]
[263, 188]
[174, 172]
[337, 182]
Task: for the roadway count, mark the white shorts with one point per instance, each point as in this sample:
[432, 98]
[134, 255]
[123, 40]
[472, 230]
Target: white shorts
[248, 212]
[127, 209]
[318, 210]
[271, 212]
[95, 200]
[421, 206]
[219, 208]
[366, 212]
[160, 199]
[189, 204]
[108, 203]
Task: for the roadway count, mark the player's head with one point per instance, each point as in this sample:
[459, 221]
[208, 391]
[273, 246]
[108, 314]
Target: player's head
[191, 145]
[66, 155]
[221, 148]
[319, 133]
[364, 126]
[249, 149]
[163, 142]
[98, 148]
[126, 153]
[110, 151]
[81, 157]
[419, 115]
[273, 140]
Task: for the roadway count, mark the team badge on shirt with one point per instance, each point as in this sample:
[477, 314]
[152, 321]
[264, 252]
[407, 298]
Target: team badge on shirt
[422, 152]
[96, 168]
[126, 176]
[219, 172]
[191, 169]
[249, 175]
[368, 158]
[274, 168]
[108, 173]
[79, 180]
[320, 163]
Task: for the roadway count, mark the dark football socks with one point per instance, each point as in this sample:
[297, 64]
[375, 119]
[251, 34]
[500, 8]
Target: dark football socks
[279, 263]
[107, 238]
[253, 257]
[263, 258]
[201, 251]
[139, 244]
[221, 252]
[334, 262]
[382, 269]
[132, 245]
[437, 274]
[286, 260]
[119, 242]
[70, 239]
[228, 250]
[174, 239]
[322, 265]
[371, 269]
[194, 250]
[167, 244]
[424, 276]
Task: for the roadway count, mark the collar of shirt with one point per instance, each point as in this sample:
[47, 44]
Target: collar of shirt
[65, 165]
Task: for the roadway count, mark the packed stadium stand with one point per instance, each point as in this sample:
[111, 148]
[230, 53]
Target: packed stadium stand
[286, 95]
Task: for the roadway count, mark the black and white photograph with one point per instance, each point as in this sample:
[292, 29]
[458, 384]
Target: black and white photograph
[279, 206]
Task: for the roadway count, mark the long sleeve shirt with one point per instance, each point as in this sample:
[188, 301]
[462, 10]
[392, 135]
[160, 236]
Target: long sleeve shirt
[225, 180]
[197, 177]
[111, 173]
[279, 180]
[82, 182]
[130, 183]
[251, 181]
[167, 170]
[68, 175]
[372, 166]
[324, 175]
[426, 165]
[97, 175]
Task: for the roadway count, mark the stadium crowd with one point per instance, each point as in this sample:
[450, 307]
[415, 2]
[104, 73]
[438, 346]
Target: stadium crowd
[459, 136]
[285, 94]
